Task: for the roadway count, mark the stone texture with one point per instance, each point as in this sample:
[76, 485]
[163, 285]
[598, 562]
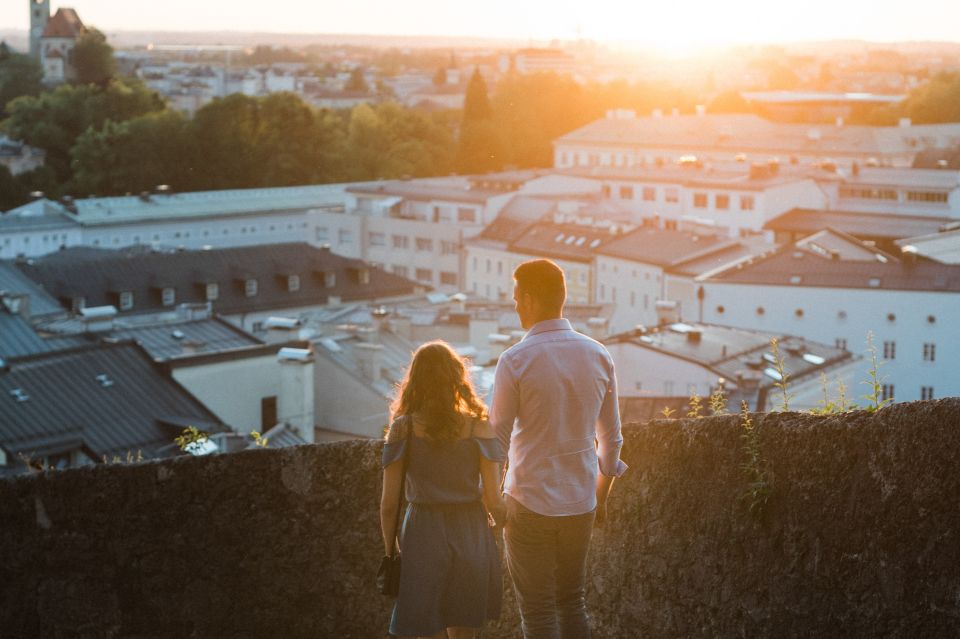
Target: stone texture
[858, 538]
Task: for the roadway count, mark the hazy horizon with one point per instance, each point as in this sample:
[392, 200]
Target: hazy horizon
[677, 27]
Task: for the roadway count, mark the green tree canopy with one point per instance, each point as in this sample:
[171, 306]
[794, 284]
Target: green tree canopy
[54, 120]
[92, 59]
[19, 75]
[936, 101]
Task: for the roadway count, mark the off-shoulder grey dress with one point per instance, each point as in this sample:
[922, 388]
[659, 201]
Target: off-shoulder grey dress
[451, 567]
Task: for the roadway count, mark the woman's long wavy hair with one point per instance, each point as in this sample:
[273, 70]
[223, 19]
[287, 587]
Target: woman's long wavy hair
[438, 389]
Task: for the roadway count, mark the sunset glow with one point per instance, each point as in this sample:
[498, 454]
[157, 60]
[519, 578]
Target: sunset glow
[678, 27]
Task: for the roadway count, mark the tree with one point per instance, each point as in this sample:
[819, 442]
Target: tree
[92, 59]
[357, 83]
[19, 75]
[728, 102]
[11, 191]
[53, 120]
[480, 148]
[936, 101]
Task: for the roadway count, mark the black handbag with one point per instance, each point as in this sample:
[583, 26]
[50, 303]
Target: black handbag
[388, 576]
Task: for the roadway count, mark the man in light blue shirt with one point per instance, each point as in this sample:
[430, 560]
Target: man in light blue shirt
[555, 410]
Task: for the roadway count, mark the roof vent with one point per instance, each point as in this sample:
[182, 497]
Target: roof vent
[19, 395]
[104, 380]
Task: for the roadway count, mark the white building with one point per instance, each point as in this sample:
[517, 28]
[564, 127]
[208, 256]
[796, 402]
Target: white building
[219, 219]
[834, 289]
[681, 360]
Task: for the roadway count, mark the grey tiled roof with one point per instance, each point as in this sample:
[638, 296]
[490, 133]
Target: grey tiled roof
[551, 240]
[100, 275]
[68, 407]
[662, 247]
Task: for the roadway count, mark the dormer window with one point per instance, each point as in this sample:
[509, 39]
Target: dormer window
[293, 283]
[78, 303]
[329, 279]
[250, 287]
[168, 296]
[125, 300]
[212, 291]
[363, 275]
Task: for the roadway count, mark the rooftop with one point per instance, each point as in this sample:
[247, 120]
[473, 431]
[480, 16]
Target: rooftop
[574, 242]
[65, 23]
[167, 205]
[103, 399]
[661, 247]
[863, 225]
[830, 259]
[285, 275]
[736, 177]
[941, 247]
[425, 191]
[753, 134]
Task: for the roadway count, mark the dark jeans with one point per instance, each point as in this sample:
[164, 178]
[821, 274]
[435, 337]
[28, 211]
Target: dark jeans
[547, 559]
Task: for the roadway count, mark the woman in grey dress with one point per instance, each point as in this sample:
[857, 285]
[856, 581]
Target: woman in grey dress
[450, 583]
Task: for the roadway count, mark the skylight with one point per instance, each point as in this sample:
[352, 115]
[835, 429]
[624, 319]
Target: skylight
[559, 237]
[772, 374]
[595, 243]
[813, 359]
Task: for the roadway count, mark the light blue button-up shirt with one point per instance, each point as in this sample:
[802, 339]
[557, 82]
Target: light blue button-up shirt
[554, 409]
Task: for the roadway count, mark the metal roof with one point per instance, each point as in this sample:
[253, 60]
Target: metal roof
[99, 276]
[18, 338]
[105, 398]
[12, 280]
[753, 134]
[865, 225]
[662, 247]
[425, 191]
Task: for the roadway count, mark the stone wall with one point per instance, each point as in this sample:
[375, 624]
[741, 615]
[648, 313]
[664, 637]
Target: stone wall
[858, 538]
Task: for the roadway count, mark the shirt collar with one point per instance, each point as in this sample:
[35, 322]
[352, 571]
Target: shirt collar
[559, 324]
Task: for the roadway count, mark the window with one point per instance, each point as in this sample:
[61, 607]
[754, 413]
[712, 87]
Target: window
[401, 242]
[626, 192]
[489, 264]
[633, 299]
[605, 190]
[424, 275]
[168, 296]
[466, 214]
[746, 203]
[424, 244]
[866, 193]
[671, 195]
[293, 283]
[889, 350]
[700, 200]
[926, 392]
[376, 239]
[886, 392]
[668, 389]
[126, 301]
[448, 248]
[722, 201]
[499, 268]
[436, 214]
[841, 343]
[212, 291]
[344, 236]
[250, 287]
[670, 225]
[649, 194]
[329, 279]
[926, 196]
[448, 278]
[929, 352]
[400, 270]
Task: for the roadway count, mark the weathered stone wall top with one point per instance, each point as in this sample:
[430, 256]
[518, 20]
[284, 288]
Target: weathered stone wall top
[844, 525]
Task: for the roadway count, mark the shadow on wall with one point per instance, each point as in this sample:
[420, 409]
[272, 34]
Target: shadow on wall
[857, 537]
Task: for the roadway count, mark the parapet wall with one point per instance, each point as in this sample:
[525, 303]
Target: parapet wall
[858, 538]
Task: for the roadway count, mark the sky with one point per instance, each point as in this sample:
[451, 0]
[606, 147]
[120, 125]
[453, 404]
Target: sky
[671, 24]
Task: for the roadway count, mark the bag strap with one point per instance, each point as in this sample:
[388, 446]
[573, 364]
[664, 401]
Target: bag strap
[408, 422]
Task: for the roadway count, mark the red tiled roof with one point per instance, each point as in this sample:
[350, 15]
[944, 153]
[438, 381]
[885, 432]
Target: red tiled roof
[65, 23]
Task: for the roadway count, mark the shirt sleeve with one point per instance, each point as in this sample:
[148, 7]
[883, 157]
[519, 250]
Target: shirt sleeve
[609, 435]
[505, 402]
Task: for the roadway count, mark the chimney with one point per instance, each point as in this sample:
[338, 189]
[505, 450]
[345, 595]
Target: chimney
[281, 329]
[369, 359]
[295, 401]
[694, 336]
[381, 318]
[909, 254]
[97, 318]
[368, 334]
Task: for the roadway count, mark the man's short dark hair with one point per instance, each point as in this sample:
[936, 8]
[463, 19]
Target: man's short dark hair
[544, 280]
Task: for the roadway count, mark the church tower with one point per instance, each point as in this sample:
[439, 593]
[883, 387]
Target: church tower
[39, 15]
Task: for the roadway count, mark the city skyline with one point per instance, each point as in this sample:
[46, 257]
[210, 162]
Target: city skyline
[664, 26]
